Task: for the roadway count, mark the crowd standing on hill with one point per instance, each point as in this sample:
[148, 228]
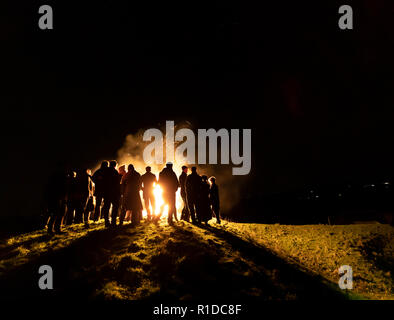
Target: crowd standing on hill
[113, 193]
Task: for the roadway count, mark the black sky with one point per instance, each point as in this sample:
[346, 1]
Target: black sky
[319, 100]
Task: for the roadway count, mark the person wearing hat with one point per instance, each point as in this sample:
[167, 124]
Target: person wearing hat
[170, 184]
[193, 189]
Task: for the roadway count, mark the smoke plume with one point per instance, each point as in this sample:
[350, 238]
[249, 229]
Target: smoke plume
[229, 186]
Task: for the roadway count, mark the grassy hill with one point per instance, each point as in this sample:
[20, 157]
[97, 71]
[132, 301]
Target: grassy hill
[186, 262]
[322, 249]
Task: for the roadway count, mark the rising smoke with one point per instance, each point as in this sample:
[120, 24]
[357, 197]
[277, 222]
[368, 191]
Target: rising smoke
[230, 186]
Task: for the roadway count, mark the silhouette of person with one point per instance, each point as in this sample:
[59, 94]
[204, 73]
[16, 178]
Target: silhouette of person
[131, 182]
[193, 186]
[182, 181]
[214, 198]
[72, 199]
[122, 209]
[89, 208]
[122, 170]
[170, 184]
[112, 180]
[148, 179]
[82, 191]
[99, 188]
[204, 202]
[57, 196]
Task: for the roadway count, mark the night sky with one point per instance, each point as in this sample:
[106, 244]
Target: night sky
[319, 100]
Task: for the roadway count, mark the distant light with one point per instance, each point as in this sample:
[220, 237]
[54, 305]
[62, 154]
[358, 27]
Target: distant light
[387, 183]
[369, 186]
[340, 195]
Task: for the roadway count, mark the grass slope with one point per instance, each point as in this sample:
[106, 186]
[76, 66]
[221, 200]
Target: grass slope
[159, 262]
[322, 249]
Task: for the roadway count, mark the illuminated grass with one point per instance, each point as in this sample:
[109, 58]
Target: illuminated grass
[186, 262]
[322, 249]
[20, 249]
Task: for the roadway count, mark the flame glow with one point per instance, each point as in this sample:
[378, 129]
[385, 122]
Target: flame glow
[160, 204]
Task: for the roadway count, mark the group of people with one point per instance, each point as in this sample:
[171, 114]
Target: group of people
[112, 192]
